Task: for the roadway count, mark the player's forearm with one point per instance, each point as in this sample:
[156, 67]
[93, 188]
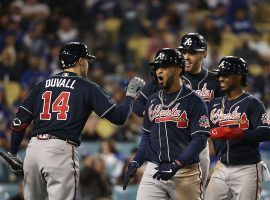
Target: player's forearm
[138, 108]
[197, 144]
[139, 157]
[259, 134]
[16, 139]
[120, 113]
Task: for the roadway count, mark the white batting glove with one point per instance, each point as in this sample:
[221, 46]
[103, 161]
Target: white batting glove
[134, 87]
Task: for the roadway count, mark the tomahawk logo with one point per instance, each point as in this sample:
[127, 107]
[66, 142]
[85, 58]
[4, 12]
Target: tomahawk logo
[160, 56]
[188, 42]
[221, 66]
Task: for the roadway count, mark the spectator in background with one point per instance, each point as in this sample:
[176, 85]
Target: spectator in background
[245, 52]
[53, 60]
[241, 22]
[137, 177]
[94, 183]
[34, 40]
[112, 159]
[8, 58]
[36, 71]
[5, 119]
[34, 10]
[211, 32]
[67, 32]
[218, 15]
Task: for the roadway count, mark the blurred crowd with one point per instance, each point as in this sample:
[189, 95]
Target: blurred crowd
[124, 36]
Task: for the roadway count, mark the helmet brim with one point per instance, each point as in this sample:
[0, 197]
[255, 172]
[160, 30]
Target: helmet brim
[190, 49]
[89, 57]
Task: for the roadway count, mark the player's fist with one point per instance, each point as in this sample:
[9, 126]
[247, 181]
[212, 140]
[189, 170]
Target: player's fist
[167, 170]
[16, 165]
[225, 133]
[135, 86]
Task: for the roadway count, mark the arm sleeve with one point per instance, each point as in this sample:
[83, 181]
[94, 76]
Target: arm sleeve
[120, 113]
[199, 126]
[145, 140]
[197, 144]
[260, 134]
[22, 119]
[139, 105]
[104, 106]
[259, 123]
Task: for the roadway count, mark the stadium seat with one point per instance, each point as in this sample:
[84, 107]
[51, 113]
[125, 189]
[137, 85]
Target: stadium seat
[265, 195]
[129, 193]
[124, 148]
[8, 190]
[12, 90]
[88, 148]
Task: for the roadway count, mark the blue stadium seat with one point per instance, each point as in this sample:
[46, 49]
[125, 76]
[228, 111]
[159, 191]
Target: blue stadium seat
[8, 190]
[130, 193]
[124, 148]
[88, 148]
[265, 195]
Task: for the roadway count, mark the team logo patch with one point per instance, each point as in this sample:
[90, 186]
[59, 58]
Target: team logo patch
[204, 122]
[16, 122]
[265, 119]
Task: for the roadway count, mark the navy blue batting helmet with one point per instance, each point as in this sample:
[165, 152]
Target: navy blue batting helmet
[194, 42]
[167, 58]
[233, 65]
[72, 52]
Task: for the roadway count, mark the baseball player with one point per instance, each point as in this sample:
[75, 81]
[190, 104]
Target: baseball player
[194, 49]
[174, 133]
[59, 108]
[193, 46]
[238, 124]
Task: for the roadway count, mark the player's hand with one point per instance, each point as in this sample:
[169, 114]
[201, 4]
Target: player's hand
[131, 171]
[167, 170]
[134, 87]
[225, 133]
[17, 168]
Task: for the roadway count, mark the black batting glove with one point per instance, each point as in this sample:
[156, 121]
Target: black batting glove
[167, 170]
[17, 167]
[131, 171]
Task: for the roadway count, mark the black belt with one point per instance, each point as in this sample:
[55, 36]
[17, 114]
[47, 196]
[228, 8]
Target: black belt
[48, 136]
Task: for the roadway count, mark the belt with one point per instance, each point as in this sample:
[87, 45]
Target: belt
[49, 136]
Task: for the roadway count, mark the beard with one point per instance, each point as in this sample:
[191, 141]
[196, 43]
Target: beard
[168, 84]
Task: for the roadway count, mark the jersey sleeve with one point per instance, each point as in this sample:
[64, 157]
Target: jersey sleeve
[140, 103]
[101, 101]
[146, 122]
[257, 114]
[198, 116]
[24, 115]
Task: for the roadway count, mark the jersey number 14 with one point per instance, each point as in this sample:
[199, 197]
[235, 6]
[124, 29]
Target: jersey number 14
[60, 105]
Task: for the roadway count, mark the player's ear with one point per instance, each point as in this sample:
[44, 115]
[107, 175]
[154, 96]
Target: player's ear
[179, 71]
[80, 61]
